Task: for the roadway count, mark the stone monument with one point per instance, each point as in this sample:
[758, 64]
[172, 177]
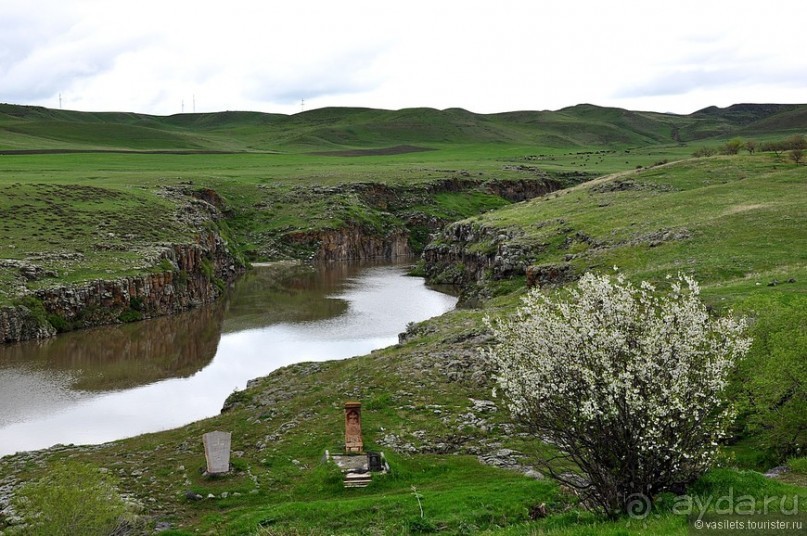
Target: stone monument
[353, 441]
[217, 452]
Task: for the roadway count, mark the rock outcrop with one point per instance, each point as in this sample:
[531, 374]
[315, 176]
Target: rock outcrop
[189, 275]
[466, 252]
[18, 323]
[352, 243]
[394, 221]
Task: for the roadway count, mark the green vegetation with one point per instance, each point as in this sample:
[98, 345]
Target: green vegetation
[719, 219]
[733, 222]
[73, 498]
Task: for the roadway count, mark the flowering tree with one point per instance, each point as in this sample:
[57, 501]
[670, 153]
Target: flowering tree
[626, 383]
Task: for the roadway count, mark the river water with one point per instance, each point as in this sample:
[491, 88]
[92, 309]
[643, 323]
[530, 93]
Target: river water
[108, 383]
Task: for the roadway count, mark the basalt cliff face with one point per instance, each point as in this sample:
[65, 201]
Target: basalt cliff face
[19, 323]
[404, 212]
[353, 243]
[464, 253]
[198, 274]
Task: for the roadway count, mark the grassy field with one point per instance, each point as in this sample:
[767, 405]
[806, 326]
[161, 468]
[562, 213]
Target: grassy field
[737, 223]
[89, 215]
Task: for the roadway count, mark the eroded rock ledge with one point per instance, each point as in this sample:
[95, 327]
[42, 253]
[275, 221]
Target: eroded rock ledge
[189, 275]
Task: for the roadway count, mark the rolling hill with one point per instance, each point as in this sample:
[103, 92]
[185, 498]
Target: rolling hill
[29, 128]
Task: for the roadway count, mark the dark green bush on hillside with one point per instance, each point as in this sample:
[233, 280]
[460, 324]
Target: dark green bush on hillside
[770, 386]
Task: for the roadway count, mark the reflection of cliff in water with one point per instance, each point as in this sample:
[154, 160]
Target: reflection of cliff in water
[127, 355]
[294, 294]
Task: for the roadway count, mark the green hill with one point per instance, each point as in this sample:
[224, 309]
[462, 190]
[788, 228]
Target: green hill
[735, 222]
[35, 128]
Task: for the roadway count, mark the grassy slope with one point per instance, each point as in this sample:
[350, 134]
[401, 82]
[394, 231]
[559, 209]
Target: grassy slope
[107, 212]
[579, 126]
[420, 391]
[270, 193]
[744, 218]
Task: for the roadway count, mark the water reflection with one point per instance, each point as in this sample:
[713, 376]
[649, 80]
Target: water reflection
[123, 356]
[49, 391]
[297, 293]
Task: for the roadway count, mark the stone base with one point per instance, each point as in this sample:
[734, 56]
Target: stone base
[356, 468]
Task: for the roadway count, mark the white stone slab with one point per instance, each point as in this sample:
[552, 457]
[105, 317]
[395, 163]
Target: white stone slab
[217, 451]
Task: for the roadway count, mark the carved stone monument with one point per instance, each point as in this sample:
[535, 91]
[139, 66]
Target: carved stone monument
[353, 441]
[217, 452]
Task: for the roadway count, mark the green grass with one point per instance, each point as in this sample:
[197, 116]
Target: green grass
[738, 220]
[743, 219]
[77, 232]
[578, 126]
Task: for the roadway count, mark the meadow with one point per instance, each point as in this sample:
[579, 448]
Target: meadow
[735, 222]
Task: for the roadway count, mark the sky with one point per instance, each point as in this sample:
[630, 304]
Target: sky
[281, 56]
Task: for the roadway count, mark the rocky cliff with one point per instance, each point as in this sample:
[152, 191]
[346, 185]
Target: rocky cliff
[394, 221]
[467, 252]
[352, 243]
[187, 275]
[19, 323]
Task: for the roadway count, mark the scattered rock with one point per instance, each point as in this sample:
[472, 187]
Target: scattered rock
[777, 471]
[192, 496]
[549, 275]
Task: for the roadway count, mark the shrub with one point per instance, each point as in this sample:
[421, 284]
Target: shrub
[627, 383]
[704, 151]
[35, 308]
[796, 141]
[59, 323]
[207, 269]
[130, 315]
[732, 146]
[74, 498]
[770, 385]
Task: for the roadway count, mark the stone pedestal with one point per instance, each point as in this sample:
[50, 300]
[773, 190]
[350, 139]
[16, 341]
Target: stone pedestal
[353, 440]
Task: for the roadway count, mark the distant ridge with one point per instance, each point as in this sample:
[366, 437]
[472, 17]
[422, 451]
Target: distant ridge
[33, 128]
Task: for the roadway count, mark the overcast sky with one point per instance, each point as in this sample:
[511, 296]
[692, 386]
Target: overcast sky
[500, 55]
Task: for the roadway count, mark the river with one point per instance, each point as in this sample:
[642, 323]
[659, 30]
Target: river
[103, 384]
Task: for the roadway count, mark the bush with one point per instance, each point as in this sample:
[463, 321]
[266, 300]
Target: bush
[74, 498]
[628, 384]
[704, 151]
[732, 146]
[35, 308]
[130, 315]
[770, 385]
[59, 323]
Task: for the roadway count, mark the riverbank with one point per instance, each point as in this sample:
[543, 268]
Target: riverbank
[144, 257]
[78, 255]
[734, 223]
[163, 373]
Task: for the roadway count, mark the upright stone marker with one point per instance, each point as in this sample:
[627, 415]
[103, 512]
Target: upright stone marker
[217, 452]
[353, 442]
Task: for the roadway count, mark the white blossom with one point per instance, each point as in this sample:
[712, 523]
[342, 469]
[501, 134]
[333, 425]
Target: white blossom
[616, 369]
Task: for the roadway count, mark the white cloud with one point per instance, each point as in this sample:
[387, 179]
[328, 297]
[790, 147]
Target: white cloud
[151, 56]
